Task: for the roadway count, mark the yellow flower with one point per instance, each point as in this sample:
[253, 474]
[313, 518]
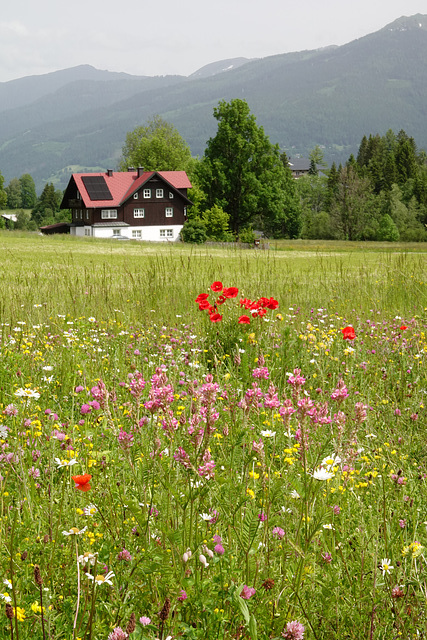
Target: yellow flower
[19, 613]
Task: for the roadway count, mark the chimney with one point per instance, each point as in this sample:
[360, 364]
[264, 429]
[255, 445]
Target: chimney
[130, 169]
[109, 173]
[140, 171]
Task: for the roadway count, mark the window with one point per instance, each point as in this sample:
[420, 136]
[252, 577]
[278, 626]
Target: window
[87, 232]
[136, 233]
[166, 233]
[87, 214]
[170, 195]
[108, 214]
[169, 212]
[139, 213]
[147, 193]
[159, 193]
[135, 196]
[117, 232]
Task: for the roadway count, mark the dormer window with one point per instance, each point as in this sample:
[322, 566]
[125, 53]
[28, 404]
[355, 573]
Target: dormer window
[159, 193]
[147, 193]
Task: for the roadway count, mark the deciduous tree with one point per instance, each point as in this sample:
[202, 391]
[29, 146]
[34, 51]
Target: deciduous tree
[157, 146]
[242, 173]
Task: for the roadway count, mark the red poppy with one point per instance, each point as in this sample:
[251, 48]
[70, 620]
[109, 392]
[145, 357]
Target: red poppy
[82, 482]
[201, 297]
[403, 327]
[272, 304]
[216, 286]
[262, 312]
[244, 320]
[216, 317]
[204, 304]
[230, 292]
[221, 299]
[348, 333]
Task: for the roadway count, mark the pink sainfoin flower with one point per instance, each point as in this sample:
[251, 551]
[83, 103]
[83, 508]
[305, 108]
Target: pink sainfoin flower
[182, 456]
[286, 411]
[182, 596]
[297, 382]
[125, 440]
[261, 372]
[136, 384]
[360, 412]
[341, 392]
[34, 473]
[100, 394]
[207, 470]
[278, 533]
[293, 631]
[247, 592]
[402, 524]
[262, 517]
[327, 557]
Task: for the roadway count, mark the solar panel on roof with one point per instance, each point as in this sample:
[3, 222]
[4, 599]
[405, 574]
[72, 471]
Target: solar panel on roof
[97, 188]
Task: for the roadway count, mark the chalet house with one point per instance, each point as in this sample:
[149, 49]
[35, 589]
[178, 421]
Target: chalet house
[133, 204]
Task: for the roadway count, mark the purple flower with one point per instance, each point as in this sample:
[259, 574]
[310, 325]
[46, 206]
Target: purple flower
[182, 596]
[293, 631]
[144, 620]
[219, 549]
[247, 592]
[118, 634]
[87, 409]
[124, 555]
[327, 557]
[402, 524]
[278, 533]
[79, 389]
[262, 517]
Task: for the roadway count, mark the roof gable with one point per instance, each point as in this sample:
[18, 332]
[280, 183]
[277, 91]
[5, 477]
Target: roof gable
[123, 184]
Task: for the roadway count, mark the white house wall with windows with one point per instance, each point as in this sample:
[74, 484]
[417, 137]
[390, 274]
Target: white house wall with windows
[133, 204]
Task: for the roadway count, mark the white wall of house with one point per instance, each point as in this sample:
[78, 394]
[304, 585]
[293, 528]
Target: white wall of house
[166, 233]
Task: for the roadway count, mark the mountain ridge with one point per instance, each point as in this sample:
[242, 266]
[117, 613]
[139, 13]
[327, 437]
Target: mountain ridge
[330, 96]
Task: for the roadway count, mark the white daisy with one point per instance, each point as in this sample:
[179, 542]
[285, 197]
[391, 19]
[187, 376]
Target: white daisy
[100, 579]
[322, 474]
[386, 566]
[65, 463]
[74, 531]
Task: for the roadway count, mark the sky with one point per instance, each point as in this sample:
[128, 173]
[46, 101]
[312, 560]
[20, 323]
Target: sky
[177, 36]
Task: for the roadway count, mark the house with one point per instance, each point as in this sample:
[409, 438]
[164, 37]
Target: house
[133, 204]
[301, 167]
[9, 219]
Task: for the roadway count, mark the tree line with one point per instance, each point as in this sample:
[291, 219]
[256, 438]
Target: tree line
[31, 211]
[243, 183]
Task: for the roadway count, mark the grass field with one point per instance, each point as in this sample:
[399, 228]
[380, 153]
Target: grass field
[165, 475]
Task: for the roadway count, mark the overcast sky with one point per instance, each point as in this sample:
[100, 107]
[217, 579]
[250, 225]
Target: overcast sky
[177, 36]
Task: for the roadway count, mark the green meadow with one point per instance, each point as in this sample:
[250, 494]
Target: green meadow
[248, 466]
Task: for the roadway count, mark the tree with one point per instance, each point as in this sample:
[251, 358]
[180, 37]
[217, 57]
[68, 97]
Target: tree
[48, 202]
[3, 194]
[242, 173]
[350, 209]
[158, 146]
[28, 191]
[216, 223]
[13, 191]
[194, 230]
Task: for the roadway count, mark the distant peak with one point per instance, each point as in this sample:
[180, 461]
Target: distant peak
[408, 23]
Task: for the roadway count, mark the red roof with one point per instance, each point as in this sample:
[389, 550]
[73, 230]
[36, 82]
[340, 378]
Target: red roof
[122, 184]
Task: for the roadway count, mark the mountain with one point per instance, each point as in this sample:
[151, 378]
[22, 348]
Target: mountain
[78, 118]
[219, 67]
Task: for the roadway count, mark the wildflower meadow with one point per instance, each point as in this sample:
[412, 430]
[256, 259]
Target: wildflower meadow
[212, 443]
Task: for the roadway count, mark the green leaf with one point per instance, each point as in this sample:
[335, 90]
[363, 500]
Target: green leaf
[253, 627]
